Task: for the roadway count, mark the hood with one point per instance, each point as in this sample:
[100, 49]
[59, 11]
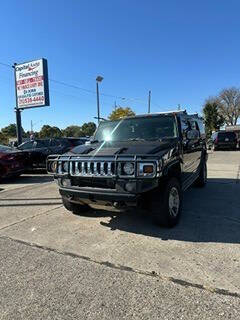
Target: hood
[124, 148]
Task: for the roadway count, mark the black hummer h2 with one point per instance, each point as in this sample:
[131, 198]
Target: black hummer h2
[145, 161]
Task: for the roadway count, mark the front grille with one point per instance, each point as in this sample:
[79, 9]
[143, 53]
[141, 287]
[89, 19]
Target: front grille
[92, 168]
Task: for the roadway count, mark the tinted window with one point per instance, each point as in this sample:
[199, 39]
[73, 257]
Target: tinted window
[27, 145]
[185, 124]
[39, 144]
[231, 136]
[76, 142]
[55, 143]
[146, 128]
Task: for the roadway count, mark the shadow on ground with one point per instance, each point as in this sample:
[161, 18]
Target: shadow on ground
[27, 179]
[211, 214]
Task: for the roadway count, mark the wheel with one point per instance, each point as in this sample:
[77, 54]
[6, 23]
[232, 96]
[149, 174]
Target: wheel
[75, 208]
[167, 204]
[202, 178]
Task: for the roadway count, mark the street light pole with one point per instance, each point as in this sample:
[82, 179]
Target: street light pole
[149, 101]
[98, 79]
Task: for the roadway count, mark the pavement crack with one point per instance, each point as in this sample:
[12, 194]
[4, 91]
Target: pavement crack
[119, 267]
[29, 218]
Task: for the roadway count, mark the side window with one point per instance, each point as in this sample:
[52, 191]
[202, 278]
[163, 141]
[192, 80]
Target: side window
[55, 143]
[38, 144]
[186, 126]
[201, 127]
[27, 145]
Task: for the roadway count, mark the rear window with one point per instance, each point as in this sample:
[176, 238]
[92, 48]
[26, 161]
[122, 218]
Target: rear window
[226, 135]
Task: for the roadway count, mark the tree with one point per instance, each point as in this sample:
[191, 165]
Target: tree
[10, 131]
[121, 113]
[3, 138]
[73, 131]
[229, 106]
[50, 132]
[212, 118]
[88, 128]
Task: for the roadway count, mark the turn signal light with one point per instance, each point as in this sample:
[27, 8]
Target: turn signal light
[148, 169]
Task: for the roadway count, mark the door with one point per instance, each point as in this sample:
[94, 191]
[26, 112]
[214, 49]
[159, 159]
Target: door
[197, 144]
[188, 149]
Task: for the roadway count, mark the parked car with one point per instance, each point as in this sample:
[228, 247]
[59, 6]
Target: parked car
[145, 161]
[12, 162]
[39, 149]
[223, 140]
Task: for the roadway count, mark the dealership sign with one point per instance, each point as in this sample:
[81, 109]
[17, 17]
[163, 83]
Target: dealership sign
[32, 84]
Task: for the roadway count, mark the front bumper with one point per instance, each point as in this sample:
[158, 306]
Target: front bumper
[99, 196]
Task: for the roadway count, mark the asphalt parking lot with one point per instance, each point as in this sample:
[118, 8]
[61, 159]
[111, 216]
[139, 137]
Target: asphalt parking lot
[109, 265]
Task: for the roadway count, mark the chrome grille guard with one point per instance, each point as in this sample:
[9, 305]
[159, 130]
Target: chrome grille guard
[97, 166]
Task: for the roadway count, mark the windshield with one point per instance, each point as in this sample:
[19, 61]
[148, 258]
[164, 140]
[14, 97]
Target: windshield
[142, 128]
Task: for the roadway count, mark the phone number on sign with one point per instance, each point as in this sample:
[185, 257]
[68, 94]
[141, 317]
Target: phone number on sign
[31, 100]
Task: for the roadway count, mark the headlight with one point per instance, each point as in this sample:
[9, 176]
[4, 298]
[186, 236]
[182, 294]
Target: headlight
[53, 166]
[146, 170]
[65, 166]
[128, 168]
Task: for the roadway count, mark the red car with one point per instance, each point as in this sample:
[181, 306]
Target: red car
[12, 162]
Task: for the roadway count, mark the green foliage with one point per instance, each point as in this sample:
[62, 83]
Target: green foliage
[73, 131]
[88, 128]
[50, 132]
[10, 130]
[212, 118]
[121, 113]
[3, 138]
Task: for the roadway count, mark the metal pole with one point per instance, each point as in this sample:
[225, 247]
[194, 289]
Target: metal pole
[18, 125]
[149, 101]
[31, 126]
[98, 107]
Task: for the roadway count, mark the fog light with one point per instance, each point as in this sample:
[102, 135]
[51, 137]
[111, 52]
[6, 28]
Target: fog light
[66, 182]
[130, 186]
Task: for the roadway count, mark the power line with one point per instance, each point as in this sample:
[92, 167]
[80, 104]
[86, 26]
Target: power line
[6, 65]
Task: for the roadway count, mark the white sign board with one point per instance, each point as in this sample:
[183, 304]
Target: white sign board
[32, 84]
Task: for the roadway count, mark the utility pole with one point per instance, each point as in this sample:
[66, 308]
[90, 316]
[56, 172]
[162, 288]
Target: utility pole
[149, 101]
[18, 112]
[115, 105]
[18, 125]
[31, 126]
[179, 107]
[98, 79]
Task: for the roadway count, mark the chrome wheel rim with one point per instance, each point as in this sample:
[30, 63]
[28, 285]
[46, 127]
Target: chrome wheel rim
[174, 202]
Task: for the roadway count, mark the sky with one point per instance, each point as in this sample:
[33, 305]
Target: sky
[183, 51]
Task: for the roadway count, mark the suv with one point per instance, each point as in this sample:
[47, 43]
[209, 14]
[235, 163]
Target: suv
[145, 161]
[223, 140]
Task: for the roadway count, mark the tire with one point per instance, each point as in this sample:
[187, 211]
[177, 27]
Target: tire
[167, 204]
[202, 178]
[75, 207]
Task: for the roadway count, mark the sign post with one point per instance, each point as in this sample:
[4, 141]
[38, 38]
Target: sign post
[31, 87]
